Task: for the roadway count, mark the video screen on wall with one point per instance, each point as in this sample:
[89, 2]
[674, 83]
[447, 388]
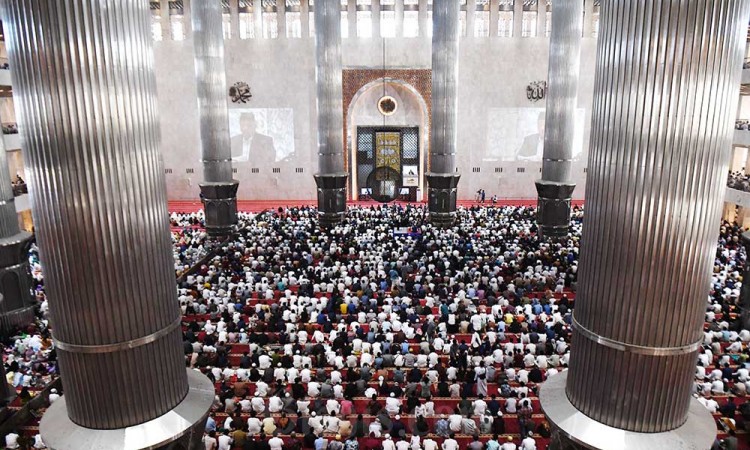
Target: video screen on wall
[517, 134]
[261, 135]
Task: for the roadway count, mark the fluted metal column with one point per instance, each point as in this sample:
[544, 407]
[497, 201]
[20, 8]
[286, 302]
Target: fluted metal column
[219, 190]
[17, 304]
[86, 96]
[556, 187]
[331, 177]
[442, 177]
[665, 96]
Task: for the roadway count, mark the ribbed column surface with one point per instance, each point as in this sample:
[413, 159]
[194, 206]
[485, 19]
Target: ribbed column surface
[208, 41]
[444, 86]
[84, 83]
[562, 90]
[666, 91]
[329, 88]
[8, 215]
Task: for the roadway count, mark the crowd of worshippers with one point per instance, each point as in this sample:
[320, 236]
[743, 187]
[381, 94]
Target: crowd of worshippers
[373, 324]
[353, 300]
[739, 181]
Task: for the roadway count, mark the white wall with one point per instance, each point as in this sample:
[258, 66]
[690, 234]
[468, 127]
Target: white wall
[493, 73]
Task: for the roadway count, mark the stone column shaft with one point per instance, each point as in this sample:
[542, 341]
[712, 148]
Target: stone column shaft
[83, 72]
[556, 187]
[331, 177]
[664, 102]
[219, 190]
[442, 177]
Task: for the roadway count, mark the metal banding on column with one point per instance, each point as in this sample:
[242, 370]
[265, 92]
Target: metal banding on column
[83, 72]
[555, 189]
[665, 94]
[331, 177]
[218, 188]
[442, 177]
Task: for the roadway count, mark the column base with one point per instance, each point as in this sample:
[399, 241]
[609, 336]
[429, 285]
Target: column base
[553, 208]
[573, 430]
[220, 206]
[182, 424]
[442, 194]
[331, 197]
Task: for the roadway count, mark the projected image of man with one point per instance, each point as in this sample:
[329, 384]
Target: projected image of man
[532, 148]
[251, 145]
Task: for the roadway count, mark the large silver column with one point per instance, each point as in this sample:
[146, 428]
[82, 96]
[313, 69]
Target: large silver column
[331, 177]
[218, 190]
[556, 187]
[665, 96]
[17, 304]
[442, 177]
[85, 87]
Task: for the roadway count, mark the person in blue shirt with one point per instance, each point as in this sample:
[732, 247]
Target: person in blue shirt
[210, 424]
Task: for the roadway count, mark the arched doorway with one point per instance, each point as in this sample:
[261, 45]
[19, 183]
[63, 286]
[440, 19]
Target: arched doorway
[368, 124]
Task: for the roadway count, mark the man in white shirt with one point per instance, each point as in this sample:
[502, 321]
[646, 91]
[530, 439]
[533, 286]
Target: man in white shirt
[275, 405]
[480, 406]
[388, 443]
[450, 443]
[332, 423]
[225, 441]
[333, 406]
[392, 404]
[429, 444]
[11, 440]
[454, 422]
[315, 423]
[38, 443]
[261, 388]
[53, 396]
[375, 428]
[258, 404]
[508, 445]
[276, 443]
[253, 425]
[528, 443]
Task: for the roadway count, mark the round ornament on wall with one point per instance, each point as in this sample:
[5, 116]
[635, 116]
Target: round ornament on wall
[387, 105]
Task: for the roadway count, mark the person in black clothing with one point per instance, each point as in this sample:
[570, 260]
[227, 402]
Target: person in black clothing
[421, 428]
[729, 409]
[360, 427]
[535, 375]
[442, 389]
[398, 429]
[308, 441]
[493, 406]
